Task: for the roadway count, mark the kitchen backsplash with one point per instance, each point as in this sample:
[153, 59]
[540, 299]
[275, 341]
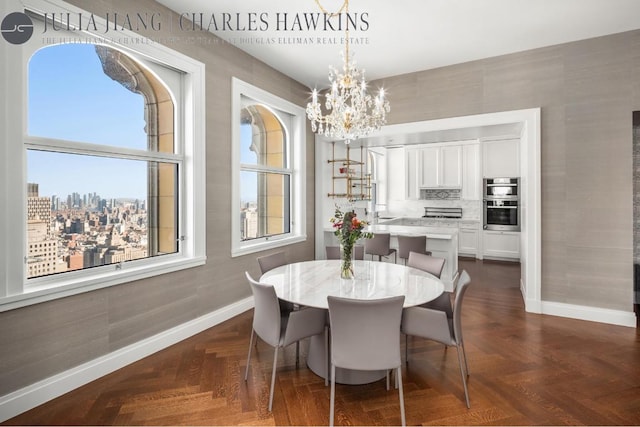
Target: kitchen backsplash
[439, 194]
[471, 209]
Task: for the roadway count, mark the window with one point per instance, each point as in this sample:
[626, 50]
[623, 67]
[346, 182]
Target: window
[268, 195]
[97, 193]
[112, 139]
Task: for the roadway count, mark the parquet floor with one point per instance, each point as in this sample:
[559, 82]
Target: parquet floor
[526, 369]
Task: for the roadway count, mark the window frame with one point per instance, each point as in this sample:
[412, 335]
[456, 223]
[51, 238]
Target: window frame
[296, 146]
[18, 291]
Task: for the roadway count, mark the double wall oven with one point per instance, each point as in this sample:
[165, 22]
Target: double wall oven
[501, 197]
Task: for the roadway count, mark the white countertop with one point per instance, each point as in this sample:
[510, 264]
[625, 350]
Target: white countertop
[444, 233]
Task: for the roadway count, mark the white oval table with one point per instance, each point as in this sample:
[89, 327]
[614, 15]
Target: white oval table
[309, 283]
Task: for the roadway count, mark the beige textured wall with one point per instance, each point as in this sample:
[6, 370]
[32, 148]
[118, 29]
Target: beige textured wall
[42, 340]
[587, 91]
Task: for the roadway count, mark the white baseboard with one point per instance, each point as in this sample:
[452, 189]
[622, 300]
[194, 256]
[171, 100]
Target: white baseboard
[29, 397]
[580, 312]
[593, 314]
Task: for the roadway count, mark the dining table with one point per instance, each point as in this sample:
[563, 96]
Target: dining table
[309, 283]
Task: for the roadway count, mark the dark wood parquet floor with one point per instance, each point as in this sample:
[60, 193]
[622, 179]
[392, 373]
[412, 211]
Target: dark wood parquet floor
[526, 369]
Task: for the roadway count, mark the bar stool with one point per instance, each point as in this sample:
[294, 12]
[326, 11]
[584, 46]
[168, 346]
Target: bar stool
[333, 252]
[406, 244]
[379, 245]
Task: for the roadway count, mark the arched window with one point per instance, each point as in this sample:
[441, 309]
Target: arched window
[268, 180]
[105, 153]
[102, 164]
[265, 175]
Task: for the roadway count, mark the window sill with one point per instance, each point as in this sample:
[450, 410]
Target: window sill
[41, 293]
[267, 244]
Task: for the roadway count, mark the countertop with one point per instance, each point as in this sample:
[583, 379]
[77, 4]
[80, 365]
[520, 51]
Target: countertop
[444, 233]
[439, 233]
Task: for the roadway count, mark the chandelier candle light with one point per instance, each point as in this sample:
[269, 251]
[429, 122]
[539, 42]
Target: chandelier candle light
[351, 113]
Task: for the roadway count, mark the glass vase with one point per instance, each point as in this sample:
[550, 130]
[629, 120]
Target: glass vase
[346, 261]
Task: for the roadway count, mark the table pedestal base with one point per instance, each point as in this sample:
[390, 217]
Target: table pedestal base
[317, 362]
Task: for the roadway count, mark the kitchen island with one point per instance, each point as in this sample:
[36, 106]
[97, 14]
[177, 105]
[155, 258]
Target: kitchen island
[442, 242]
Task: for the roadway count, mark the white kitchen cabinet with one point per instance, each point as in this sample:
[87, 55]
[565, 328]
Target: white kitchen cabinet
[468, 238]
[395, 179]
[471, 182]
[441, 167]
[429, 167]
[412, 162]
[501, 244]
[501, 158]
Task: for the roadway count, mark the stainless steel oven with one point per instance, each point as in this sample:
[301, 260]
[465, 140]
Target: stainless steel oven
[501, 204]
[500, 188]
[502, 214]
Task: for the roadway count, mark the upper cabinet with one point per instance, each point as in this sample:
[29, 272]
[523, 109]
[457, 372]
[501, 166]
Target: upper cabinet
[471, 182]
[395, 178]
[440, 167]
[501, 158]
[411, 173]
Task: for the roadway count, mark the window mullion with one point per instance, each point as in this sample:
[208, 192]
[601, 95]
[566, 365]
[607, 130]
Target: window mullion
[259, 168]
[63, 146]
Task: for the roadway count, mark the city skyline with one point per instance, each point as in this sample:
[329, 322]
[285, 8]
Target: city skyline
[82, 231]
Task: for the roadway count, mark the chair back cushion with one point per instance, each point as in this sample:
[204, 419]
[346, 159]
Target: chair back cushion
[266, 314]
[428, 263]
[461, 289]
[365, 334]
[408, 244]
[269, 262]
[378, 244]
[333, 252]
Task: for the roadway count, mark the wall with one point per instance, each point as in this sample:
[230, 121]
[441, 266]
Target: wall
[587, 91]
[41, 340]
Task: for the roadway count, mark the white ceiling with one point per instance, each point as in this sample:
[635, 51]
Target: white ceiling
[404, 36]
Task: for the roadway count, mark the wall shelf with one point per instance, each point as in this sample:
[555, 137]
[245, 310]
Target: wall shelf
[350, 176]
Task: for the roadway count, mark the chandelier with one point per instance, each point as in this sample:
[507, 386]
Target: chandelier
[351, 112]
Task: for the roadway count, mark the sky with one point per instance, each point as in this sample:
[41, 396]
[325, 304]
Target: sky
[71, 98]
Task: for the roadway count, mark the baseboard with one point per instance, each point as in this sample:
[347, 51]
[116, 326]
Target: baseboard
[580, 312]
[593, 314]
[29, 397]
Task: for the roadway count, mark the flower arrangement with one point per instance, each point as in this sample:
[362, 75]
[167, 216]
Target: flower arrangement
[349, 229]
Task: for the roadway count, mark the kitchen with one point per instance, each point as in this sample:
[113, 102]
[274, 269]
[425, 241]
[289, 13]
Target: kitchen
[438, 183]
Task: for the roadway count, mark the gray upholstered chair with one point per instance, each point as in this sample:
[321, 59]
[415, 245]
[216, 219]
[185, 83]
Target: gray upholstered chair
[333, 252]
[269, 262]
[434, 325]
[280, 329]
[365, 335]
[432, 265]
[407, 244]
[379, 245]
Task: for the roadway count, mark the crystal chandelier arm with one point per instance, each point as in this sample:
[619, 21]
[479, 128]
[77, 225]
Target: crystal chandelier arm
[351, 112]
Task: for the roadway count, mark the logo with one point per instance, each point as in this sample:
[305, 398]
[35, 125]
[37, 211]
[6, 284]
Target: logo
[16, 28]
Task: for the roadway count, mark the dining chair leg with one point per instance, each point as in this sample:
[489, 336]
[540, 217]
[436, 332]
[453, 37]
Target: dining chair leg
[397, 379]
[387, 380]
[464, 354]
[464, 378]
[333, 394]
[297, 353]
[273, 377]
[406, 349]
[401, 395]
[246, 372]
[327, 355]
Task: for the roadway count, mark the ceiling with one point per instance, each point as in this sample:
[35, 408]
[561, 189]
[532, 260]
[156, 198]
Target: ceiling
[403, 36]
